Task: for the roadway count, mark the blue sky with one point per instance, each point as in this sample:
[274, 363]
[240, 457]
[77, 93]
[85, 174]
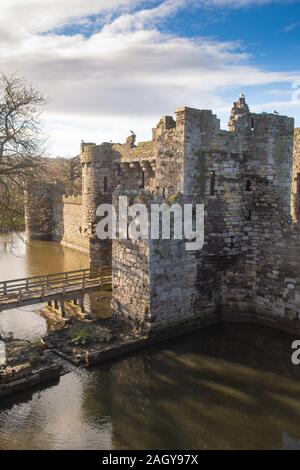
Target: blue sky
[271, 33]
[109, 67]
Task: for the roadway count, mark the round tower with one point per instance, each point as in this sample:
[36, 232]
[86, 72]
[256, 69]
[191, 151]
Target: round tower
[97, 186]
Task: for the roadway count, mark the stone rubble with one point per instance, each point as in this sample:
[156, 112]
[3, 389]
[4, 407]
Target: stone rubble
[25, 366]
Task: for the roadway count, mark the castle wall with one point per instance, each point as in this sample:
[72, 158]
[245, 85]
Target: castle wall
[68, 226]
[39, 200]
[169, 139]
[129, 152]
[136, 164]
[274, 297]
[271, 149]
[199, 129]
[156, 284]
[131, 280]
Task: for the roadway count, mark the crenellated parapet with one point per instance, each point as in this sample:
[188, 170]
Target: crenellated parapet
[143, 151]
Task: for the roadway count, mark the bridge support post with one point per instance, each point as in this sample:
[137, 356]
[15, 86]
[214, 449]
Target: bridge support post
[82, 304]
[56, 306]
[62, 308]
[49, 303]
[75, 301]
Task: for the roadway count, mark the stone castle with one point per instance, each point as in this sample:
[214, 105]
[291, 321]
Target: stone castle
[248, 178]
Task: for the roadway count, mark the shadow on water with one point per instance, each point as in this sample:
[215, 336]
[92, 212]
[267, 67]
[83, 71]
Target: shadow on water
[230, 386]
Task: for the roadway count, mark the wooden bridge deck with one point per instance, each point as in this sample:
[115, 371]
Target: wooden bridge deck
[59, 286]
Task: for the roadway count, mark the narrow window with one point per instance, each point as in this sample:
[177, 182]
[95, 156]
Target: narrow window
[298, 182]
[142, 179]
[212, 176]
[105, 184]
[248, 185]
[249, 217]
[252, 124]
[164, 192]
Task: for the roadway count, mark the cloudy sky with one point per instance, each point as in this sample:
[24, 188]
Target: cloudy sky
[110, 66]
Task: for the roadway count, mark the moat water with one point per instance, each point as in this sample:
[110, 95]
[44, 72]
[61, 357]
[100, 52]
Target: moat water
[230, 386]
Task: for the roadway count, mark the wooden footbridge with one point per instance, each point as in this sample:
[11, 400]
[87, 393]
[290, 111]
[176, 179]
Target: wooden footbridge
[57, 288]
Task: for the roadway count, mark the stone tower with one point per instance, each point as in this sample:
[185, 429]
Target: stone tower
[97, 185]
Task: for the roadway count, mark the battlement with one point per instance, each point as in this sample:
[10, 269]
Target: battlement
[144, 151]
[91, 152]
[71, 199]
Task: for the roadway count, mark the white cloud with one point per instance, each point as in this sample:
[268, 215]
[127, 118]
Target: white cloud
[124, 75]
[290, 27]
[244, 3]
[39, 16]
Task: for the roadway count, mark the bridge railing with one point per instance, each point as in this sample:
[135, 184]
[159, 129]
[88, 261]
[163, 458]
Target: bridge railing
[40, 284]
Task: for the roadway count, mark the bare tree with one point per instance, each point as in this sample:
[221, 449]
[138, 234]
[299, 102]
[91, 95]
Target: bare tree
[64, 170]
[73, 174]
[22, 142]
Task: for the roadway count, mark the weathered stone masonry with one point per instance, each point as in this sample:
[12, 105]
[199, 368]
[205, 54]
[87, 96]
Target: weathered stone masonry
[296, 178]
[248, 266]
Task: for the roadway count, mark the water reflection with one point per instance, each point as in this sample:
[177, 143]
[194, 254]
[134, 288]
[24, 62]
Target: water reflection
[208, 391]
[51, 419]
[19, 259]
